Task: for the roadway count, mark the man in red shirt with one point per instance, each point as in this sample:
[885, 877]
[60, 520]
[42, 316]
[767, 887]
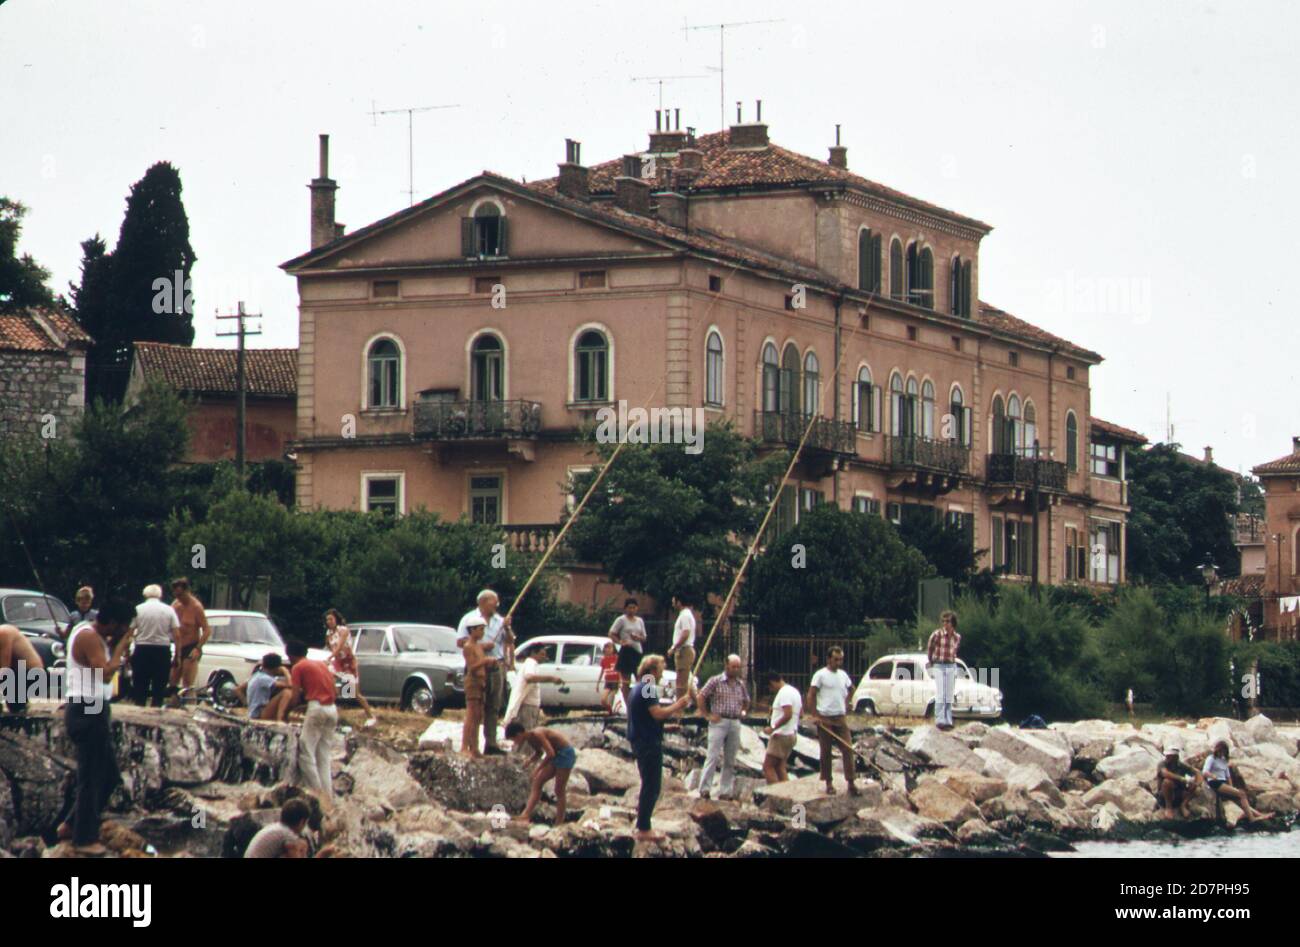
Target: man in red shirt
[314, 683]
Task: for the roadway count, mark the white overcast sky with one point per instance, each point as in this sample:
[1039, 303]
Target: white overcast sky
[1140, 162]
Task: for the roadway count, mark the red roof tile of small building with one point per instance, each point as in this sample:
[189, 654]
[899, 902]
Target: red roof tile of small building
[1116, 431]
[1283, 465]
[41, 330]
[270, 373]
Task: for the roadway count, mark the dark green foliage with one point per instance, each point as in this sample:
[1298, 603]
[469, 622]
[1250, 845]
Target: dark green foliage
[1279, 671]
[946, 546]
[23, 281]
[855, 568]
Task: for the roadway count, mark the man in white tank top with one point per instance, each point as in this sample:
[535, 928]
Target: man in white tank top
[87, 717]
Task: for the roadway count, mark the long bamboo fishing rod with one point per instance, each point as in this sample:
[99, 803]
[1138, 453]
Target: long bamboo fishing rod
[776, 498]
[577, 511]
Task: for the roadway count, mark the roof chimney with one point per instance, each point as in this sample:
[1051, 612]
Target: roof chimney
[690, 164]
[631, 193]
[668, 136]
[323, 228]
[673, 209]
[839, 154]
[748, 134]
[574, 180]
[1295, 445]
[1209, 455]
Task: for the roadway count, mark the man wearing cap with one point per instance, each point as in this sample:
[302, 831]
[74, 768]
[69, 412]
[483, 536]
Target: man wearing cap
[1176, 782]
[496, 642]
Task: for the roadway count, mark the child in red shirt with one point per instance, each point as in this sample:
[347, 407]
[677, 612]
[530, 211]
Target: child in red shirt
[609, 677]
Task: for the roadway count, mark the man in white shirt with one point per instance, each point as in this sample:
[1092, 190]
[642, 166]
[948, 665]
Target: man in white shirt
[155, 631]
[828, 695]
[683, 650]
[497, 640]
[784, 728]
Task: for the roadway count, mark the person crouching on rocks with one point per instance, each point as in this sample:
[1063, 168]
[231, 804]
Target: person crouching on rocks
[1219, 775]
[1177, 782]
[477, 664]
[555, 757]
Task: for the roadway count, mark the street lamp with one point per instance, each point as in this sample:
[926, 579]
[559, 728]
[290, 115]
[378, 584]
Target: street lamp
[1209, 572]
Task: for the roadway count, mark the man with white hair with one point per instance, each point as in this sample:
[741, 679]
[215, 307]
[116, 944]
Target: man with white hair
[497, 641]
[155, 630]
[724, 701]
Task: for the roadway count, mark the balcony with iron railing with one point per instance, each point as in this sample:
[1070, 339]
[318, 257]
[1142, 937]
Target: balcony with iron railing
[1017, 470]
[477, 420]
[787, 427]
[925, 453]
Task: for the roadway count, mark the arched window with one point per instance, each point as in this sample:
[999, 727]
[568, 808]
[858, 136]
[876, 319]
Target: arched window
[487, 370]
[789, 393]
[713, 369]
[1015, 432]
[957, 407]
[771, 379]
[1031, 429]
[811, 382]
[591, 367]
[912, 409]
[927, 410]
[484, 234]
[1071, 442]
[897, 289]
[999, 426]
[868, 261]
[897, 407]
[384, 373]
[920, 276]
[959, 288]
[863, 397]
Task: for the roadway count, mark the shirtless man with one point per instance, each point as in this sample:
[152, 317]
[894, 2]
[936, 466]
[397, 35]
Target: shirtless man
[191, 636]
[555, 758]
[18, 656]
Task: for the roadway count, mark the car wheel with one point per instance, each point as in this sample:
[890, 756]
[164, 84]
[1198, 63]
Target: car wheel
[418, 698]
[223, 689]
[866, 706]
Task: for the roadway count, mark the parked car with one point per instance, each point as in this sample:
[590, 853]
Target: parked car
[41, 618]
[418, 667]
[238, 642]
[576, 659]
[901, 685]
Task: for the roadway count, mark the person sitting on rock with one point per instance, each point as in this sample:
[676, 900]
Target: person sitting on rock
[267, 689]
[17, 660]
[555, 757]
[284, 839]
[1177, 782]
[1218, 774]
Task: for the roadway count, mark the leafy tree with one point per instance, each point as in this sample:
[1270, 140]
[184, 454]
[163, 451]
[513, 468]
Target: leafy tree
[667, 522]
[1044, 654]
[1180, 510]
[119, 299]
[23, 281]
[832, 572]
[946, 546]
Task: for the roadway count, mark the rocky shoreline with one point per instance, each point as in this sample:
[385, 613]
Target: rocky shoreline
[201, 783]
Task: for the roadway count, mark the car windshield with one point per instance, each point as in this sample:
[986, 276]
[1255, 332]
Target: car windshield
[426, 638]
[28, 608]
[245, 629]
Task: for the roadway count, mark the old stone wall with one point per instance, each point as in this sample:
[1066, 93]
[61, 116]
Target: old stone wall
[39, 387]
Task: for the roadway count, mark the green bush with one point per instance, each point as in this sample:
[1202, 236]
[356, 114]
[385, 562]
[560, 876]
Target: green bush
[1279, 670]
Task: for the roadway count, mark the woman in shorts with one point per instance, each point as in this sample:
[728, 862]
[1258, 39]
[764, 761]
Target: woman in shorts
[343, 661]
[1218, 775]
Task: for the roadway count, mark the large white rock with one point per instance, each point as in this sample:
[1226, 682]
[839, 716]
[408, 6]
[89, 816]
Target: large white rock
[807, 796]
[606, 772]
[1260, 728]
[993, 763]
[1125, 793]
[933, 800]
[1031, 778]
[1139, 761]
[902, 824]
[969, 785]
[941, 749]
[1027, 746]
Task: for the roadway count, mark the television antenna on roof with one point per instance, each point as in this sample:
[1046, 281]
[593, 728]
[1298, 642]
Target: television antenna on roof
[722, 57]
[410, 137]
[661, 80]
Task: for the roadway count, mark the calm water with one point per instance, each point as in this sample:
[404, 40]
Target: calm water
[1243, 845]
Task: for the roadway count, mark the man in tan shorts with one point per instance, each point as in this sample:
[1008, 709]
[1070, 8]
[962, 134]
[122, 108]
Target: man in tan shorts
[17, 659]
[191, 636]
[683, 647]
[787, 706]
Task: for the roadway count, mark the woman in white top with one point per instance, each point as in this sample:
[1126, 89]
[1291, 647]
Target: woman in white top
[343, 660]
[1219, 777]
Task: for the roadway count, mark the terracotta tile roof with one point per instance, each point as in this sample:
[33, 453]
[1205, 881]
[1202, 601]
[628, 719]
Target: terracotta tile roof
[1243, 586]
[271, 373]
[725, 167]
[41, 330]
[1283, 465]
[1002, 321]
[1116, 431]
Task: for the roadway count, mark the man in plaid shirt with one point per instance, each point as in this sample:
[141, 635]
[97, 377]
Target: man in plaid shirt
[724, 701]
[942, 652]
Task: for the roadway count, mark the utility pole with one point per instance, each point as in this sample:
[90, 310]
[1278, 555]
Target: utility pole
[722, 58]
[241, 379]
[410, 138]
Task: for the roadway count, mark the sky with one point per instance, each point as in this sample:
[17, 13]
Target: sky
[1138, 161]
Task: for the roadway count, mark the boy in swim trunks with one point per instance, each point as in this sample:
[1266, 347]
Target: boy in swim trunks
[556, 759]
[191, 636]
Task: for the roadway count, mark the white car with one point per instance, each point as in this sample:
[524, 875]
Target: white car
[576, 659]
[238, 642]
[901, 685]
